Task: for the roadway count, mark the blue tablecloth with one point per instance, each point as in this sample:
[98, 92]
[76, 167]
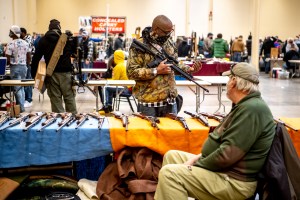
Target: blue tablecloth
[20, 148]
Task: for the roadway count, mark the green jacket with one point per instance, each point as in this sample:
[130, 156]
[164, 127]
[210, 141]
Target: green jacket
[240, 144]
[219, 48]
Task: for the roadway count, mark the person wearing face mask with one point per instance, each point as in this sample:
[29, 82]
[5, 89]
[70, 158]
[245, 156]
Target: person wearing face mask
[88, 51]
[207, 46]
[155, 88]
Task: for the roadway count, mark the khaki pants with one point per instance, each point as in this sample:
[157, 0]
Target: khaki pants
[178, 182]
[59, 89]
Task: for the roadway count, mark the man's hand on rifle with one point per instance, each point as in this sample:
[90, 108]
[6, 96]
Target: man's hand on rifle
[196, 67]
[164, 68]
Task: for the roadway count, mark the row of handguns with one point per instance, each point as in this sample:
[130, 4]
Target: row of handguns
[32, 119]
[202, 117]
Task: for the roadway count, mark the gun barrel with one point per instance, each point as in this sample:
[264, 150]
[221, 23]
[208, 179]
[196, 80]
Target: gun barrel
[47, 123]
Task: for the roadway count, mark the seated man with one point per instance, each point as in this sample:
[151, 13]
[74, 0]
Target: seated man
[292, 54]
[118, 73]
[233, 154]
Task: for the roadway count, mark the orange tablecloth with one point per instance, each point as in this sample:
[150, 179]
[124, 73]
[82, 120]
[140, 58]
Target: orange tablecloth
[171, 135]
[295, 135]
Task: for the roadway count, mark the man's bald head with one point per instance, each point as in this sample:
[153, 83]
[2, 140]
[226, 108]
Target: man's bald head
[162, 21]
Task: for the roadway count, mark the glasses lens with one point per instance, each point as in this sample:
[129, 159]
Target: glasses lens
[166, 32]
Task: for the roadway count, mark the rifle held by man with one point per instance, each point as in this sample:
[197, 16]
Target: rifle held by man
[161, 56]
[178, 118]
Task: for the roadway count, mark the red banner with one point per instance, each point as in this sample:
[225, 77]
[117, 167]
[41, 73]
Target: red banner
[113, 24]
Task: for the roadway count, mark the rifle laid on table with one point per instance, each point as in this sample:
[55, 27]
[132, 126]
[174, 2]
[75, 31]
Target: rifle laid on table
[99, 118]
[160, 56]
[50, 119]
[151, 119]
[16, 121]
[34, 119]
[178, 118]
[198, 116]
[123, 117]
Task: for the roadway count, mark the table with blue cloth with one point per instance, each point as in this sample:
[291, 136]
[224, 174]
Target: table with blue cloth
[30, 148]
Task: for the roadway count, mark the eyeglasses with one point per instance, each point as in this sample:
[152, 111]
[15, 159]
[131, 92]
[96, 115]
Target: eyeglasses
[231, 69]
[167, 33]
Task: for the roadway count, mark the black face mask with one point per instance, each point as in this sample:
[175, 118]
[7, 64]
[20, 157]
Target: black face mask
[162, 39]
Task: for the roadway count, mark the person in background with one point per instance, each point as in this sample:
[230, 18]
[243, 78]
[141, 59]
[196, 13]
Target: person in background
[201, 46]
[237, 49]
[18, 56]
[208, 53]
[119, 42]
[59, 85]
[155, 87]
[219, 47]
[249, 47]
[88, 52]
[289, 44]
[184, 48]
[28, 89]
[233, 154]
[266, 50]
[118, 73]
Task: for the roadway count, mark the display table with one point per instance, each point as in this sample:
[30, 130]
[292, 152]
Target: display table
[294, 134]
[19, 148]
[213, 69]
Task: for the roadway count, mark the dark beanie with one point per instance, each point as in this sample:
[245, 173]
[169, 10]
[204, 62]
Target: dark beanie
[54, 24]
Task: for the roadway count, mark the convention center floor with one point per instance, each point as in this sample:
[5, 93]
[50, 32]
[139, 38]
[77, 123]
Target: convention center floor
[282, 96]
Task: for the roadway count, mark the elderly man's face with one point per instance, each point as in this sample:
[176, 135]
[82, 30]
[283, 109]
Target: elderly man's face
[230, 86]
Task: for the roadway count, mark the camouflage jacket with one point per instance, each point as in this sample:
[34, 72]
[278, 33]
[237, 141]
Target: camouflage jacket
[150, 88]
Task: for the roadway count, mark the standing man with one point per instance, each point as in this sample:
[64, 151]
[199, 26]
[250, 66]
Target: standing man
[28, 89]
[233, 154]
[207, 46]
[220, 47]
[119, 43]
[155, 87]
[88, 51]
[18, 57]
[237, 49]
[59, 85]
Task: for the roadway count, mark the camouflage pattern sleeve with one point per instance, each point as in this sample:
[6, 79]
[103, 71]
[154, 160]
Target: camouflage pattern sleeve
[137, 65]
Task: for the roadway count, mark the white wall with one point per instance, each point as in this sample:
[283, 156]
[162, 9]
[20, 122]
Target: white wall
[230, 17]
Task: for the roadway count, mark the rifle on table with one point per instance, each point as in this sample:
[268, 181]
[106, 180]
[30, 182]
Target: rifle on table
[282, 122]
[4, 118]
[220, 115]
[161, 56]
[16, 121]
[99, 118]
[212, 116]
[123, 117]
[198, 116]
[34, 118]
[82, 117]
[66, 117]
[178, 118]
[151, 119]
[50, 119]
